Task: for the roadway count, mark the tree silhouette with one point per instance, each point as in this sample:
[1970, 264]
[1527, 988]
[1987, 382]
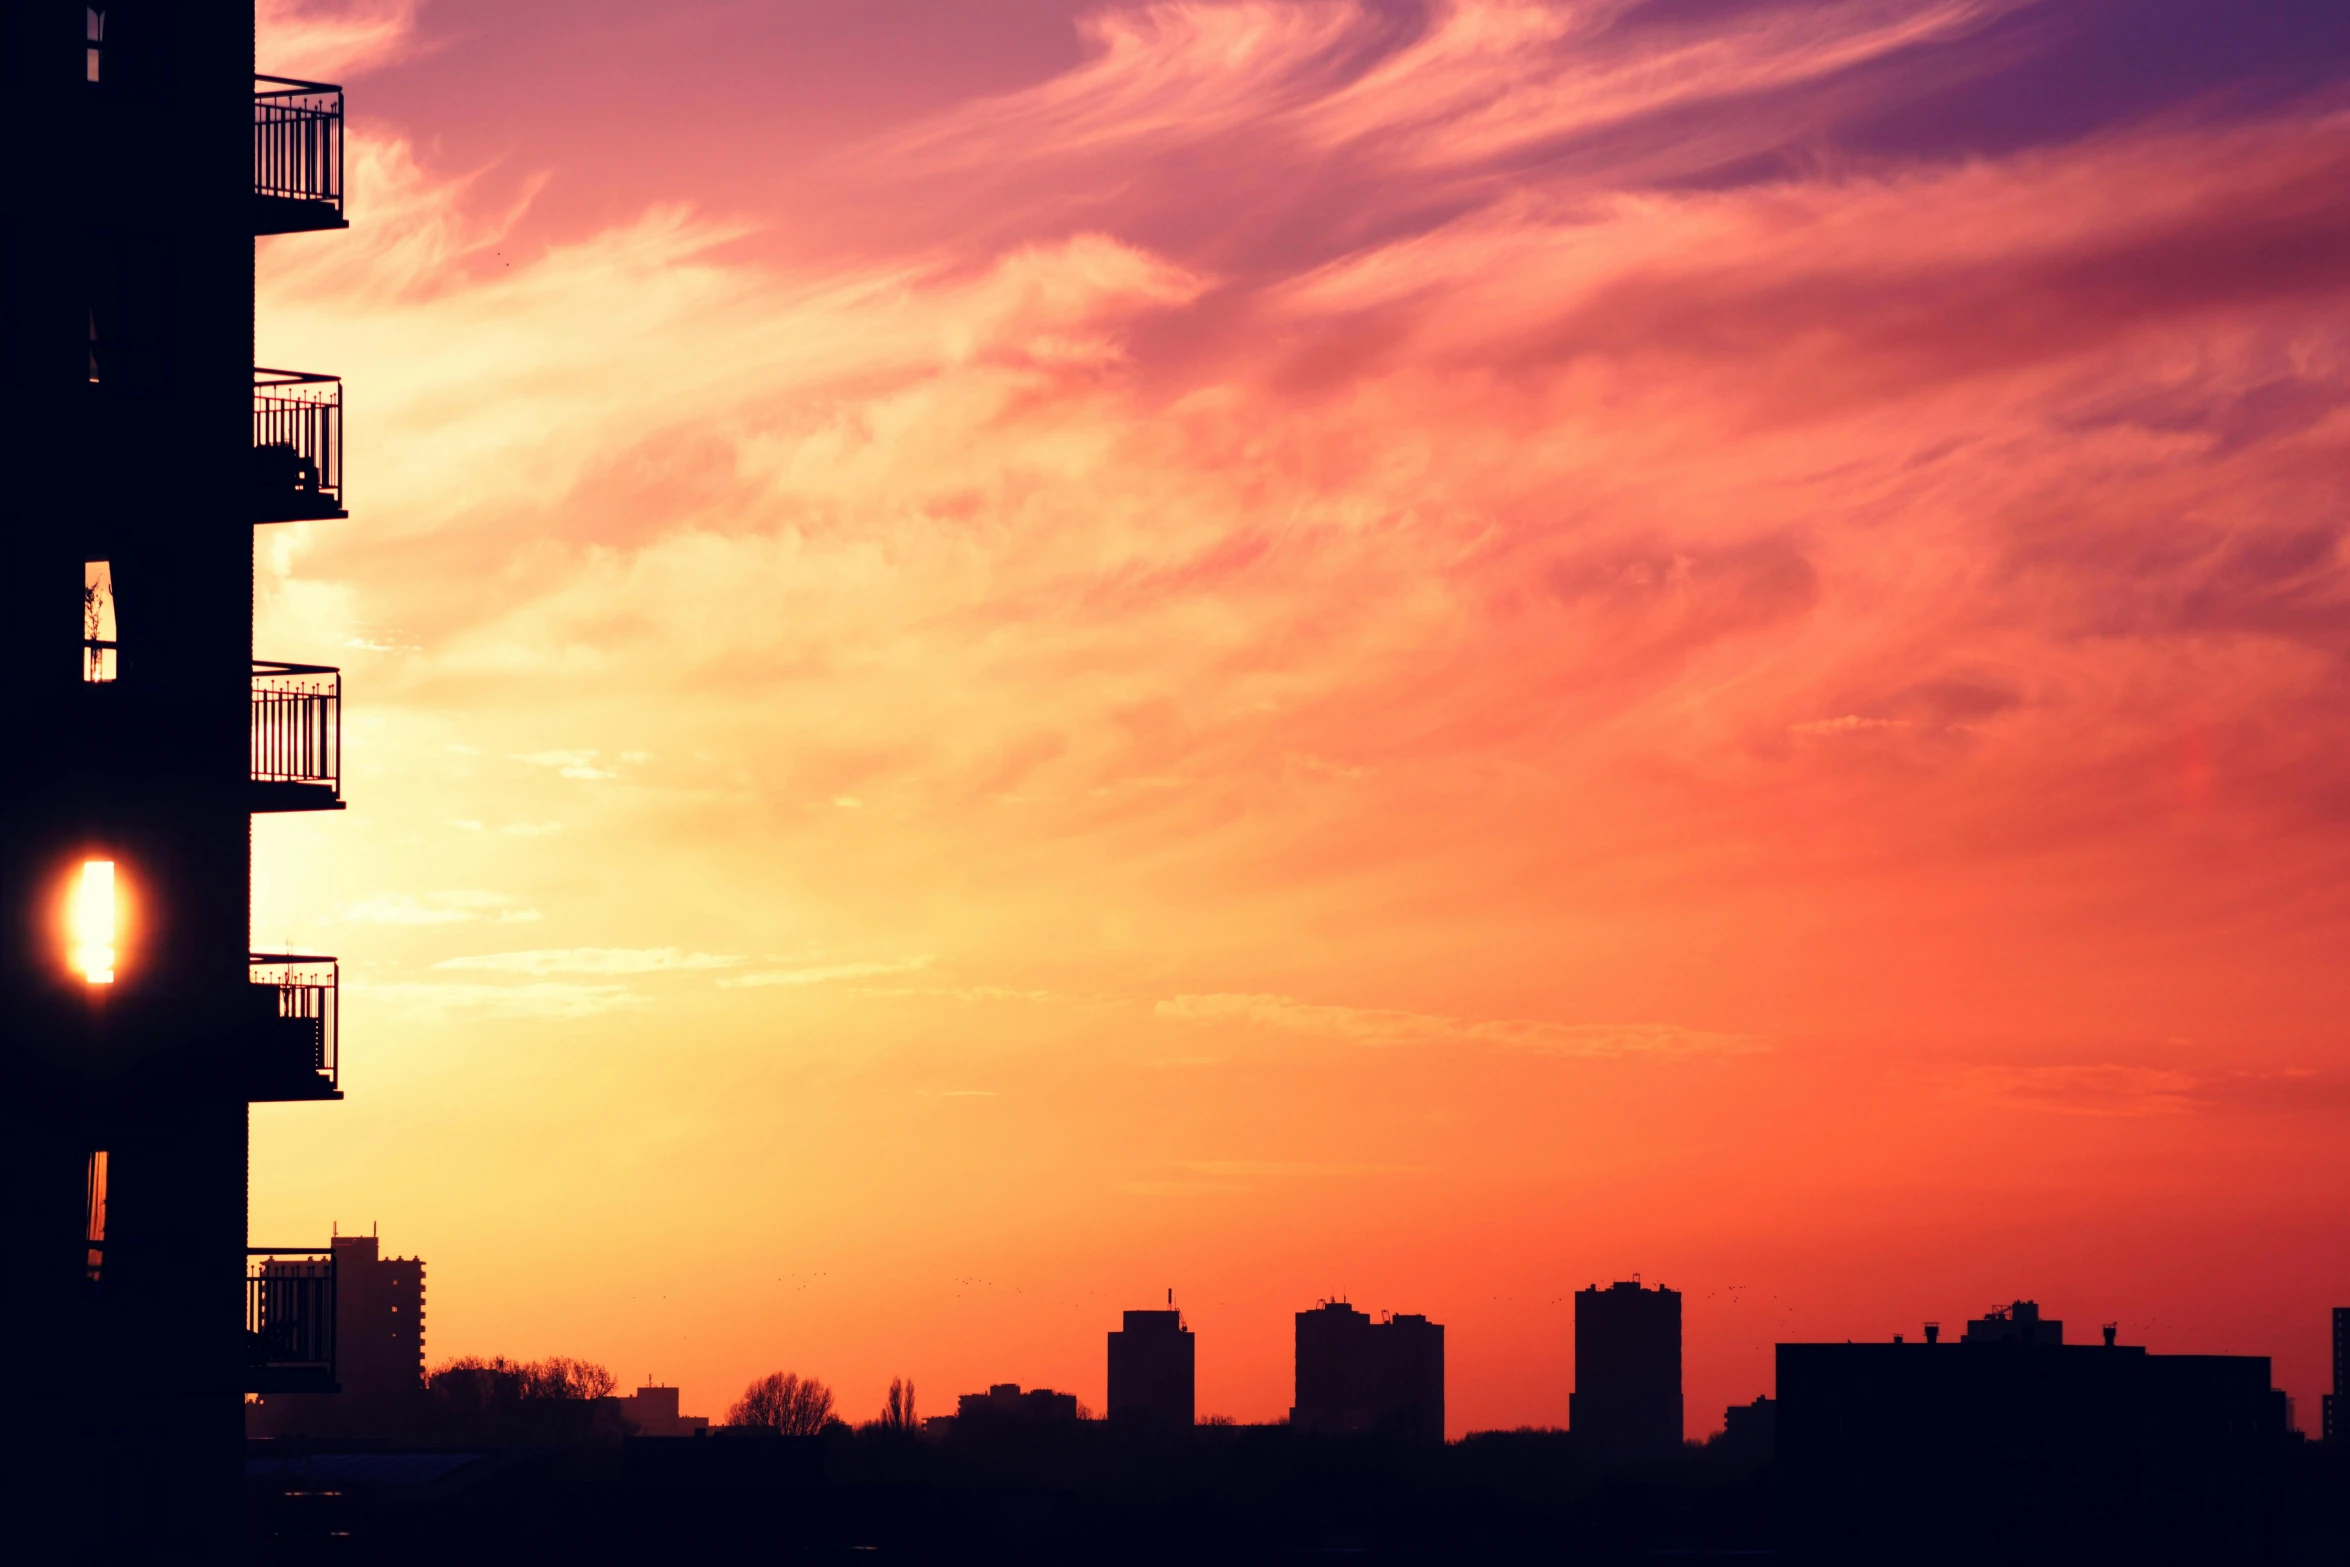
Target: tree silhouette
[497, 1400]
[897, 1411]
[559, 1376]
[781, 1401]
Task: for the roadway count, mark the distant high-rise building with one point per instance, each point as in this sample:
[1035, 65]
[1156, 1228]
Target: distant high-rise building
[2012, 1446]
[1007, 1401]
[1627, 1398]
[379, 1320]
[2332, 1409]
[653, 1411]
[1354, 1374]
[379, 1347]
[1152, 1370]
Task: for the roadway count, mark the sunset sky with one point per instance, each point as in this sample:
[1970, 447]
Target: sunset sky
[1003, 656]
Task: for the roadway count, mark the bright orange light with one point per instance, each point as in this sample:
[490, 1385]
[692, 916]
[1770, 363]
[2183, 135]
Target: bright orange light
[93, 922]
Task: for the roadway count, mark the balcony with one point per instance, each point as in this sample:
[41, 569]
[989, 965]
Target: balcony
[297, 737]
[290, 1319]
[297, 156]
[291, 1031]
[297, 446]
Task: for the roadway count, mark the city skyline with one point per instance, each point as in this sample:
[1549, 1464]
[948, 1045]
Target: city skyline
[363, 1304]
[1436, 650]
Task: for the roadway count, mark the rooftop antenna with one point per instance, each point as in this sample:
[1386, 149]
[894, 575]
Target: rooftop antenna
[1170, 1295]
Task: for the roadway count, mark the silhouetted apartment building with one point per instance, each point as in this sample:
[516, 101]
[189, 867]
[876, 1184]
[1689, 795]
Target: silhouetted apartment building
[1152, 1370]
[379, 1348]
[1006, 1401]
[1750, 1432]
[379, 1320]
[653, 1411]
[2331, 1407]
[2012, 1446]
[1627, 1398]
[141, 447]
[1354, 1374]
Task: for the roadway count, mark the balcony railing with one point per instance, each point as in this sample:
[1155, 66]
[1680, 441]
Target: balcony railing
[293, 1026]
[289, 1319]
[297, 156]
[297, 446]
[297, 737]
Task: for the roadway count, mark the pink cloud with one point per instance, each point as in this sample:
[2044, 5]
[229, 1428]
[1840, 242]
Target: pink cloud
[334, 40]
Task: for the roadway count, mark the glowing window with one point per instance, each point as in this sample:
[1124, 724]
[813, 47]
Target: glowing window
[94, 34]
[94, 1213]
[101, 652]
[93, 922]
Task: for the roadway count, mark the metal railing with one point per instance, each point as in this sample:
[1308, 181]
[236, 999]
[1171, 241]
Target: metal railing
[290, 1310]
[297, 445]
[298, 724]
[300, 1016]
[298, 142]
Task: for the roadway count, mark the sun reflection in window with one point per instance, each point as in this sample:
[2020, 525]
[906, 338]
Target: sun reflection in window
[93, 922]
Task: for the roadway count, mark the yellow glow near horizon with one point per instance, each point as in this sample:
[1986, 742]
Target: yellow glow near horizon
[94, 922]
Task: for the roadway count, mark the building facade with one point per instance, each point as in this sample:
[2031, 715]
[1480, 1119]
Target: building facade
[1626, 1405]
[379, 1350]
[2023, 1449]
[1153, 1370]
[136, 1026]
[1357, 1375]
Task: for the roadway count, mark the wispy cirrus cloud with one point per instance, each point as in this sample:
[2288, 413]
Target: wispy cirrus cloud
[594, 960]
[824, 973]
[1304, 1169]
[1383, 1026]
[1468, 84]
[2108, 1088]
[425, 1001]
[458, 907]
[335, 40]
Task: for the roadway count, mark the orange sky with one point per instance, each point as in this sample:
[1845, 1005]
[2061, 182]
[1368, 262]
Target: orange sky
[1422, 653]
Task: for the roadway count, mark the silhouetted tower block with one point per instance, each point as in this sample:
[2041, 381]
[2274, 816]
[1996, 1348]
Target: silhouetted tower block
[1356, 1375]
[1627, 1398]
[140, 448]
[1152, 1369]
[379, 1349]
[2007, 1447]
[379, 1321]
[2330, 1410]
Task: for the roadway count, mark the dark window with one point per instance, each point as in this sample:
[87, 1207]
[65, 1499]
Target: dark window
[126, 45]
[130, 314]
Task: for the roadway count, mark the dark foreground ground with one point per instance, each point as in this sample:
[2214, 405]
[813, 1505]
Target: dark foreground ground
[1086, 1493]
